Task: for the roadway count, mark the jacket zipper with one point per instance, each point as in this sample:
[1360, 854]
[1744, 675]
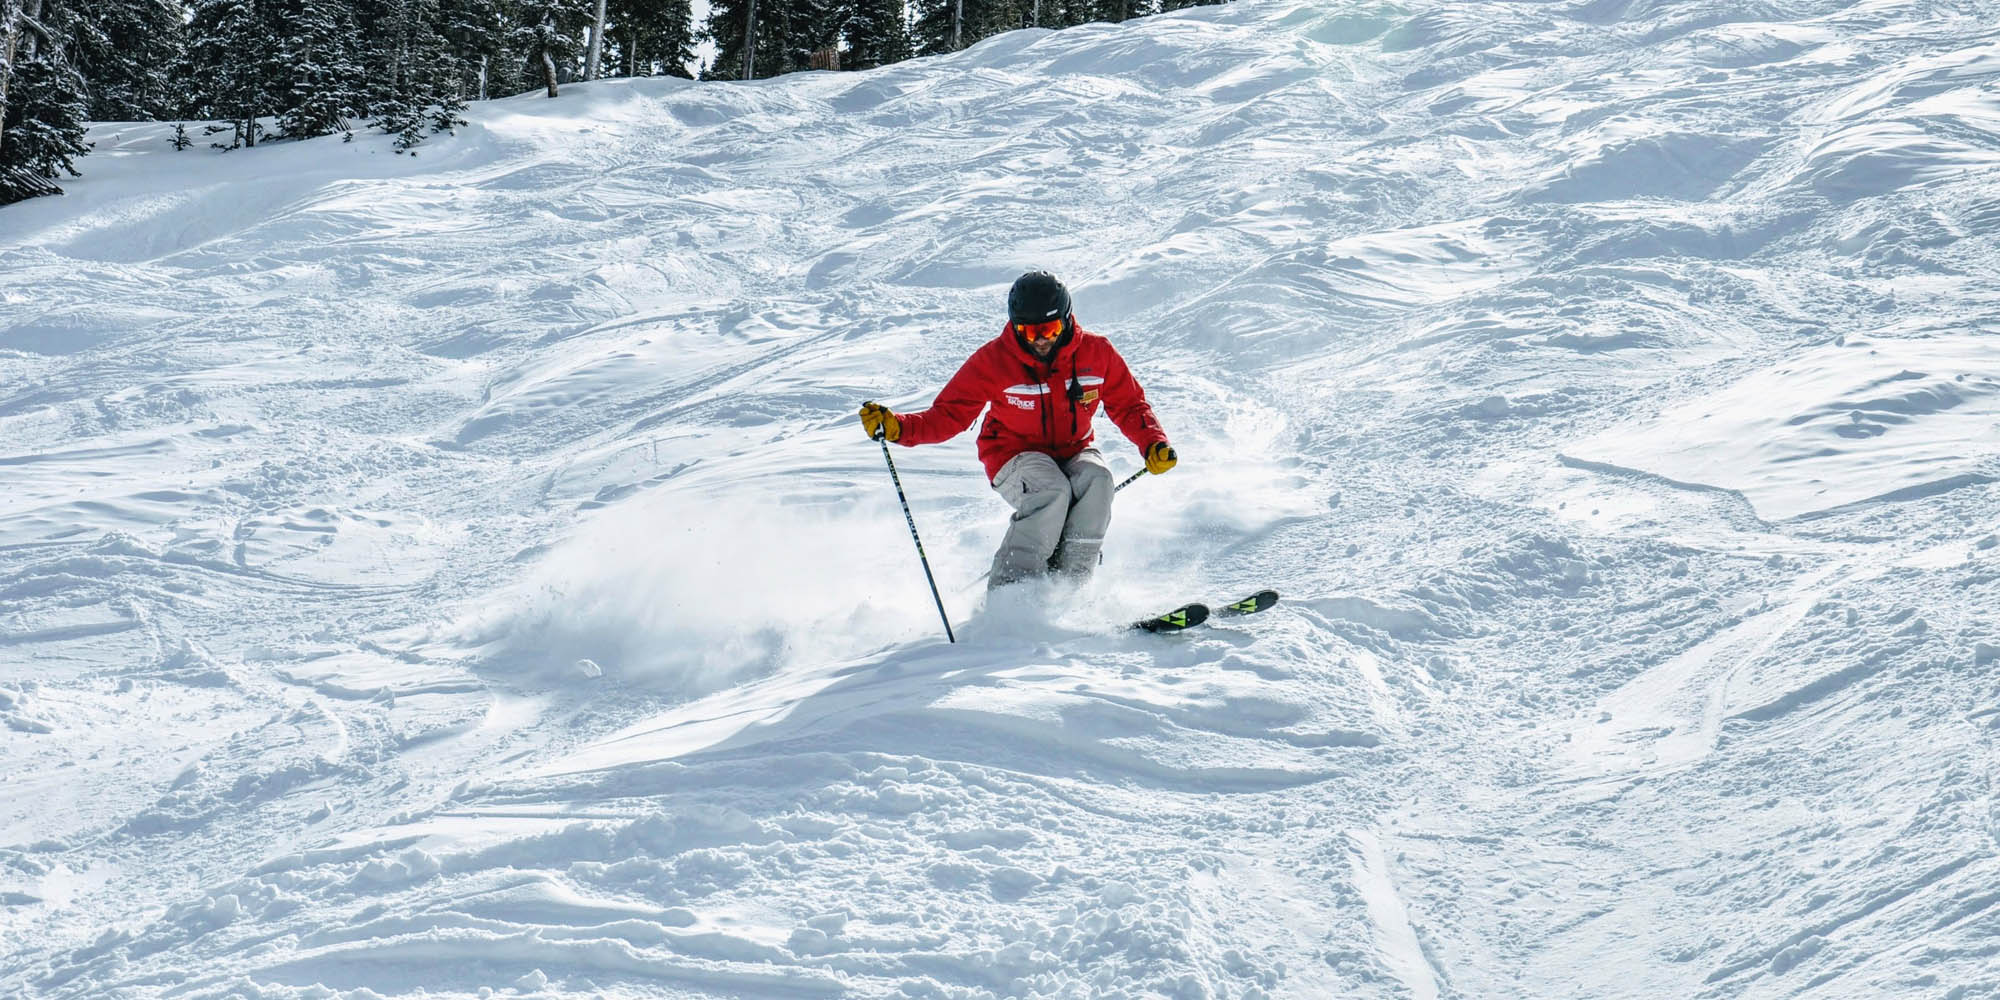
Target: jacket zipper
[1048, 427]
[1048, 380]
[1074, 391]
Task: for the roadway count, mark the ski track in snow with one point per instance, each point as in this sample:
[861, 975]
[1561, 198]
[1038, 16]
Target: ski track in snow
[461, 573]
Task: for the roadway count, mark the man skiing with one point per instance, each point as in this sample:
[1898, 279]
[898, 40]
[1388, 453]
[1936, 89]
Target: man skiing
[1040, 382]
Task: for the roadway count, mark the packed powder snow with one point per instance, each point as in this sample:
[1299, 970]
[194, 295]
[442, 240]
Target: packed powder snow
[464, 574]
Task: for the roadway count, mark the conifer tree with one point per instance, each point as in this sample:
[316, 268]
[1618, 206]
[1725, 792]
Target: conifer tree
[950, 25]
[788, 32]
[24, 33]
[414, 83]
[877, 33]
[813, 25]
[318, 88]
[314, 66]
[546, 33]
[724, 29]
[43, 110]
[46, 116]
[1063, 13]
[1117, 11]
[16, 22]
[232, 48]
[1007, 15]
[652, 37]
[476, 36]
[768, 57]
[126, 50]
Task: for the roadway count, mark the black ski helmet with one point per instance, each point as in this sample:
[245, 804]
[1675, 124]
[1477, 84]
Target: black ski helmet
[1037, 297]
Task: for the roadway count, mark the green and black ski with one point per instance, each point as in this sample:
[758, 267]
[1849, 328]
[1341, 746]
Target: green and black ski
[1189, 615]
[1259, 601]
[1185, 616]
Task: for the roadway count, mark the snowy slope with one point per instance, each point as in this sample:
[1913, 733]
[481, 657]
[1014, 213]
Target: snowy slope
[440, 575]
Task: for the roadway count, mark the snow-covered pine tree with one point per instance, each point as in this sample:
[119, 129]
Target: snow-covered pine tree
[1064, 13]
[877, 33]
[233, 50]
[126, 51]
[46, 116]
[724, 30]
[42, 104]
[476, 35]
[931, 26]
[21, 30]
[652, 37]
[950, 25]
[787, 33]
[790, 31]
[1121, 10]
[319, 73]
[810, 26]
[14, 23]
[546, 34]
[415, 82]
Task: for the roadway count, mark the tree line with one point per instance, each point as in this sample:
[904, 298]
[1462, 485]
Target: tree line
[250, 71]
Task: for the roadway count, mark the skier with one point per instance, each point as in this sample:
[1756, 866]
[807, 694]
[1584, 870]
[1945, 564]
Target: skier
[1040, 381]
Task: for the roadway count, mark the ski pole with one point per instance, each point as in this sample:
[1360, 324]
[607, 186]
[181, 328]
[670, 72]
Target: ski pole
[1129, 480]
[907, 516]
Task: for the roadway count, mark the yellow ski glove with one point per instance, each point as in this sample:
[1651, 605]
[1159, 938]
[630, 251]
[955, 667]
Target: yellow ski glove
[879, 422]
[1160, 457]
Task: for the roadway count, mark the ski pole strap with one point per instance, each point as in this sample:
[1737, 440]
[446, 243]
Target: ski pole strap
[912, 521]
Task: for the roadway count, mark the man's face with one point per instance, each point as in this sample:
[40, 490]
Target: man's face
[1041, 337]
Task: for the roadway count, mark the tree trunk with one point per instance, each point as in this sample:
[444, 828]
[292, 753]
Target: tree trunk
[10, 35]
[750, 42]
[549, 71]
[402, 77]
[31, 16]
[257, 101]
[957, 17]
[596, 44]
[482, 77]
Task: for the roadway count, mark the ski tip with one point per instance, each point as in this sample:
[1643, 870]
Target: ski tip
[1183, 617]
[1259, 601]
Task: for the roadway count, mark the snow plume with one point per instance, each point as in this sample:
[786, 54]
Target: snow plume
[690, 595]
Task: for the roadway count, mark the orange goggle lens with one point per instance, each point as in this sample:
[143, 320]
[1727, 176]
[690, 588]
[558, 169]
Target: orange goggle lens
[1039, 331]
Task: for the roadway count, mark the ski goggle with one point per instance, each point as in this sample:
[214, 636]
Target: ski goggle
[1034, 332]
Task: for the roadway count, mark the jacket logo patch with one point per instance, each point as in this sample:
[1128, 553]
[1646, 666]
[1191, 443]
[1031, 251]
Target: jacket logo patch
[1015, 392]
[1090, 396]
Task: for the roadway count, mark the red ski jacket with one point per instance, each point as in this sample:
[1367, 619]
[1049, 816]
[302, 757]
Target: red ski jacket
[1036, 405]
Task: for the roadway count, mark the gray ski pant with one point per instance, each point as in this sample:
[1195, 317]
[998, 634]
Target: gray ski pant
[1066, 504]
